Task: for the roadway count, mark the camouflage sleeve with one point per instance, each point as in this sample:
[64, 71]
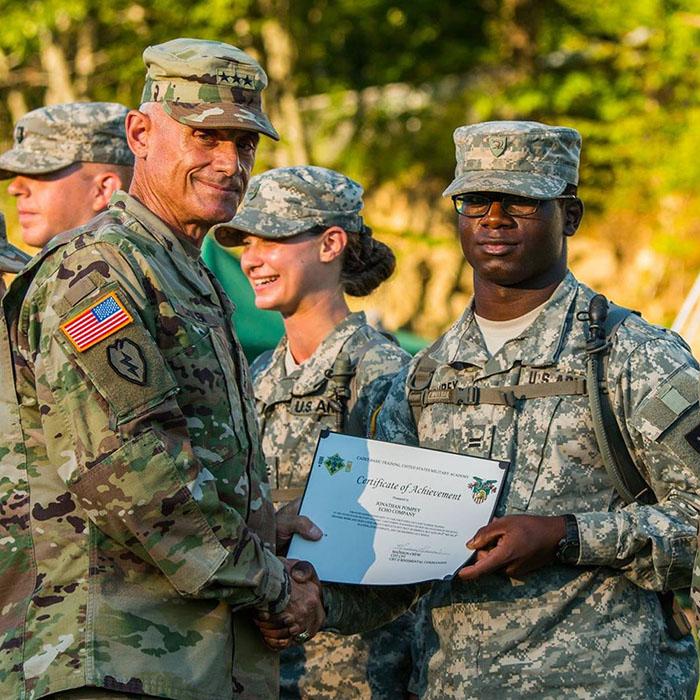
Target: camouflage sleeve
[656, 400]
[375, 371]
[353, 609]
[395, 421]
[121, 442]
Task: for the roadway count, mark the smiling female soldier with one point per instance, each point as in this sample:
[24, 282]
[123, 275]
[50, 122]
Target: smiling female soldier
[305, 246]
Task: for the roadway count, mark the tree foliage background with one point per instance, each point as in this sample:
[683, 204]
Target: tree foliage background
[375, 88]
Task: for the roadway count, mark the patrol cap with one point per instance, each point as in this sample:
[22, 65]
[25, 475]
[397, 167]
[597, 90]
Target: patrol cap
[515, 157]
[54, 137]
[11, 259]
[207, 84]
[285, 202]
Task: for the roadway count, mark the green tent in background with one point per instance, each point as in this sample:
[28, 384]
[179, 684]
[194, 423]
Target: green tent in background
[261, 330]
[257, 330]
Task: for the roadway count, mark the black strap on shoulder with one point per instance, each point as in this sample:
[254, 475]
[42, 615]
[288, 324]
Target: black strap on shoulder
[419, 381]
[341, 389]
[347, 372]
[339, 377]
[603, 321]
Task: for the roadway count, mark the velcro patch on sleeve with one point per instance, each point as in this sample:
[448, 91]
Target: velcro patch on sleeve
[693, 438]
[102, 318]
[671, 399]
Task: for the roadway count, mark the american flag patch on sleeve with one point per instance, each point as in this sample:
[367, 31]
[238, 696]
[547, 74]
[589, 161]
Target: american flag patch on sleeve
[106, 316]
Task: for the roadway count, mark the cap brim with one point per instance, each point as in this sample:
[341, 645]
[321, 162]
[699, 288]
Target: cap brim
[508, 182]
[19, 162]
[263, 225]
[12, 259]
[221, 115]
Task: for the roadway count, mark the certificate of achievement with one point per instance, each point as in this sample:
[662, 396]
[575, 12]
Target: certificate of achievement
[392, 514]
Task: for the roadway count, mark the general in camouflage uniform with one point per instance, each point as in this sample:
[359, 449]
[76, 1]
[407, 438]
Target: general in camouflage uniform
[562, 598]
[12, 259]
[135, 516]
[339, 387]
[66, 162]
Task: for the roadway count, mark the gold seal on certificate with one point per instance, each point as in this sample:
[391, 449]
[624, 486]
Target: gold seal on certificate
[393, 514]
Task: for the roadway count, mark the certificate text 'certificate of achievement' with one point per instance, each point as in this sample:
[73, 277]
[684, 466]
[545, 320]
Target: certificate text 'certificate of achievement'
[392, 514]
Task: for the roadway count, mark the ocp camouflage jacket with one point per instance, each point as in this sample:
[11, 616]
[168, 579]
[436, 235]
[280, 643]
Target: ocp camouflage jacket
[134, 509]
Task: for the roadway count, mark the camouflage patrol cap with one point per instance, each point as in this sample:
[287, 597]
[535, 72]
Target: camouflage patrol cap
[285, 202]
[54, 137]
[11, 259]
[207, 84]
[522, 158]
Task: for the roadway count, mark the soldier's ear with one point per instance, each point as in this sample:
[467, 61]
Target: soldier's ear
[333, 243]
[105, 184]
[573, 213]
[138, 127]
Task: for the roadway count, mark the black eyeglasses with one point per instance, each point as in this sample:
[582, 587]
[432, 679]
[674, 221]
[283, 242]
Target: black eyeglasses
[478, 205]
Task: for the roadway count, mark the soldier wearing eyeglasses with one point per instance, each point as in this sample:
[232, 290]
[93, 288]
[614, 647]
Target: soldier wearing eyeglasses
[561, 598]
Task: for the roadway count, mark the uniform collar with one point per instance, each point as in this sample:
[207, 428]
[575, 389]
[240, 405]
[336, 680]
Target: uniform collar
[276, 386]
[538, 346]
[184, 254]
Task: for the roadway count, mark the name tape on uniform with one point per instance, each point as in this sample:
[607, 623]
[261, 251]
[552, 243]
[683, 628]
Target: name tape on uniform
[106, 316]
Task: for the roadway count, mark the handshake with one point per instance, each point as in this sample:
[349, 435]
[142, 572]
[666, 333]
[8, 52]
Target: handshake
[304, 614]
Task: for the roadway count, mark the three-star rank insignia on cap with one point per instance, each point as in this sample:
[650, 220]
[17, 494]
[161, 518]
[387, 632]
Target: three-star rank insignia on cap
[102, 318]
[498, 144]
[240, 77]
[19, 134]
[127, 360]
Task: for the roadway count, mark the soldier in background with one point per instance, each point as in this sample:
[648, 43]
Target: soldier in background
[305, 245]
[66, 162]
[139, 536]
[12, 259]
[562, 598]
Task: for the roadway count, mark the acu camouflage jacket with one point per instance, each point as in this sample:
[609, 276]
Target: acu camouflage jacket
[293, 409]
[593, 630]
[134, 510]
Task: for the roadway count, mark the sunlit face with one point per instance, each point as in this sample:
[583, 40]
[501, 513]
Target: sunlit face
[199, 176]
[286, 273]
[519, 251]
[50, 204]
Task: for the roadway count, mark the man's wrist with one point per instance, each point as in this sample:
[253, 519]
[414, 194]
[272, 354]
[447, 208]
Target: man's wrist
[569, 547]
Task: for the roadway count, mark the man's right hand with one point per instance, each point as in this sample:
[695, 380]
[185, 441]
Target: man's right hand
[304, 614]
[290, 522]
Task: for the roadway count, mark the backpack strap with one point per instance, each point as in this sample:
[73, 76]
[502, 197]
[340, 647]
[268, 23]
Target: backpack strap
[604, 319]
[420, 395]
[339, 377]
[507, 395]
[419, 381]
